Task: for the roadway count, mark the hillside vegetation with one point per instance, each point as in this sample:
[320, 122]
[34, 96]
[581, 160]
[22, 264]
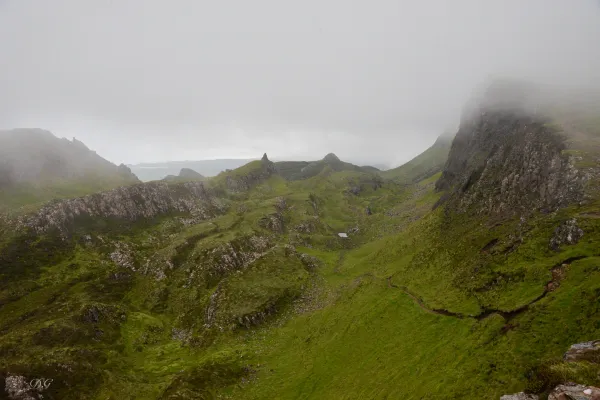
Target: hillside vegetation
[466, 274]
[426, 164]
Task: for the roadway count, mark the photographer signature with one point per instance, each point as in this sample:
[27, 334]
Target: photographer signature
[40, 384]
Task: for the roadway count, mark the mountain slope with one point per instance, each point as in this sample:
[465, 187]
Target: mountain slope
[241, 287]
[37, 166]
[426, 164]
[295, 170]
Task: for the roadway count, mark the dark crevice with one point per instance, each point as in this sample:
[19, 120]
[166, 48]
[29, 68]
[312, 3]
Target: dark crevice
[507, 315]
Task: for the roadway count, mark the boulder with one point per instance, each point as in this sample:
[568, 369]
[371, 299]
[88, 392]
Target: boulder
[572, 391]
[586, 351]
[566, 233]
[519, 396]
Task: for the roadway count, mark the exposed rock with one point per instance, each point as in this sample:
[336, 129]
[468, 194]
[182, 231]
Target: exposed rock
[567, 233]
[355, 190]
[181, 335]
[573, 391]
[19, 388]
[289, 250]
[310, 225]
[310, 262]
[519, 396]
[157, 266]
[586, 351]
[129, 203]
[558, 274]
[123, 256]
[281, 204]
[505, 161]
[211, 309]
[239, 183]
[213, 264]
[274, 222]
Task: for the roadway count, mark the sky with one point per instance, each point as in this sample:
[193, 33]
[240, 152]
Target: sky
[372, 81]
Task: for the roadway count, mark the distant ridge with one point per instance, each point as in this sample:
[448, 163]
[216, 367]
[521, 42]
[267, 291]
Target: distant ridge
[160, 170]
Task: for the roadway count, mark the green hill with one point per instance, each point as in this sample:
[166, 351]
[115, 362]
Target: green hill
[36, 166]
[295, 170]
[468, 284]
[426, 164]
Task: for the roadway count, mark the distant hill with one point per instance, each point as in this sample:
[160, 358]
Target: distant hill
[155, 171]
[295, 170]
[426, 164]
[186, 174]
[36, 166]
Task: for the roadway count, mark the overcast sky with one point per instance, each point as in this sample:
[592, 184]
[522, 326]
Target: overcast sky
[372, 81]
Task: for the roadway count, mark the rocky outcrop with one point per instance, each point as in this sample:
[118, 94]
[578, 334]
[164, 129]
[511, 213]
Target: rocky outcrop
[129, 203]
[211, 265]
[273, 222]
[574, 391]
[19, 388]
[250, 175]
[503, 160]
[567, 233]
[586, 351]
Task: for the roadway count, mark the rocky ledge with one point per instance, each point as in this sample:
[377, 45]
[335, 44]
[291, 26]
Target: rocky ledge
[128, 203]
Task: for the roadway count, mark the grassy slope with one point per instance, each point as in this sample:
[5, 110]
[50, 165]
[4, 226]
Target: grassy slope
[426, 164]
[345, 331]
[374, 341]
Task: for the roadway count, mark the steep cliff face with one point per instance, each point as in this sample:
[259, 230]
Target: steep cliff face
[128, 203]
[506, 161]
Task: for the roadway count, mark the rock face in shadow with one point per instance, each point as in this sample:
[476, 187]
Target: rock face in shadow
[505, 161]
[128, 203]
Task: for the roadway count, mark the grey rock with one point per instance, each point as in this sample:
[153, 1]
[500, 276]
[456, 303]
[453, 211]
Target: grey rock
[355, 190]
[567, 233]
[19, 388]
[573, 391]
[586, 351]
[508, 162]
[273, 222]
[519, 396]
[128, 203]
[181, 335]
[310, 262]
